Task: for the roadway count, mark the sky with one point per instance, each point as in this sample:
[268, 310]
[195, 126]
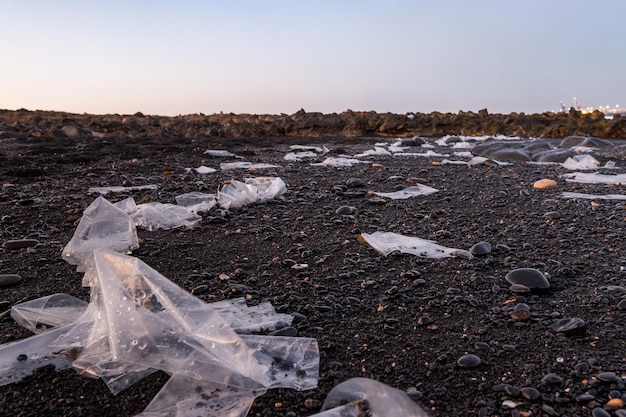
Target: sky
[271, 57]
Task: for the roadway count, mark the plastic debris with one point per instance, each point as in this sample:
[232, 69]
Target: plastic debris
[153, 216]
[413, 191]
[595, 178]
[388, 242]
[43, 313]
[139, 321]
[580, 163]
[252, 190]
[372, 152]
[304, 152]
[219, 153]
[103, 225]
[593, 196]
[362, 396]
[339, 162]
[227, 166]
[427, 154]
[299, 156]
[309, 148]
[197, 202]
[202, 170]
[120, 189]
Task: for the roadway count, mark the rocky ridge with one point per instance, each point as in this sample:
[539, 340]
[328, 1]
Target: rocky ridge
[24, 123]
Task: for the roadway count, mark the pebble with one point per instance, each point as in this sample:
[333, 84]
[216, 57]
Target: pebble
[552, 215]
[544, 183]
[414, 393]
[615, 402]
[424, 321]
[519, 288]
[481, 248]
[9, 279]
[355, 182]
[609, 377]
[200, 289]
[570, 326]
[600, 412]
[469, 361]
[345, 210]
[529, 277]
[585, 398]
[552, 378]
[530, 393]
[20, 243]
[520, 315]
[4, 305]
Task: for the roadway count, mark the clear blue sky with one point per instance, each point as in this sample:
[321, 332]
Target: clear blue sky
[264, 56]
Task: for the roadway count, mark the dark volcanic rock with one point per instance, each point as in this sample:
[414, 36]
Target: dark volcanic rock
[312, 124]
[529, 277]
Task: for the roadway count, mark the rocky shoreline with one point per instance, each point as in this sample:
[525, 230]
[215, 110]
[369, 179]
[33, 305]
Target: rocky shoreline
[24, 123]
[459, 335]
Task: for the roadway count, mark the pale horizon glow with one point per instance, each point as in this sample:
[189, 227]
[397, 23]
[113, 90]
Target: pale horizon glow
[272, 57]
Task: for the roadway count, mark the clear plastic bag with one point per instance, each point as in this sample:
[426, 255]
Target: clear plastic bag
[388, 242]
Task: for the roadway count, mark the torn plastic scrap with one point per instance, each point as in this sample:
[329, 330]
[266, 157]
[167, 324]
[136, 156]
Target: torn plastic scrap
[202, 170]
[567, 194]
[182, 396]
[103, 225]
[120, 189]
[388, 242]
[581, 163]
[382, 400]
[226, 166]
[219, 152]
[153, 216]
[267, 187]
[339, 162]
[197, 202]
[413, 191]
[595, 178]
[238, 194]
[50, 311]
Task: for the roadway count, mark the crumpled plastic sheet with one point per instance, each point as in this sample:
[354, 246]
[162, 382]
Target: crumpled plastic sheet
[252, 190]
[202, 170]
[388, 242]
[220, 153]
[153, 216]
[413, 191]
[595, 178]
[580, 163]
[227, 166]
[119, 189]
[304, 151]
[197, 202]
[365, 397]
[299, 156]
[567, 194]
[427, 154]
[138, 321]
[103, 225]
[373, 152]
[339, 162]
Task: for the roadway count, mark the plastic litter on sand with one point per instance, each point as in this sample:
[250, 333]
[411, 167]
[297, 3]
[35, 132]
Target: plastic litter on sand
[413, 191]
[137, 321]
[388, 242]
